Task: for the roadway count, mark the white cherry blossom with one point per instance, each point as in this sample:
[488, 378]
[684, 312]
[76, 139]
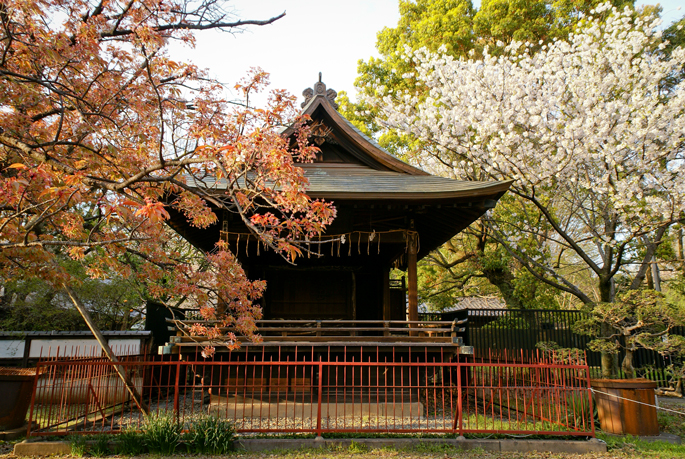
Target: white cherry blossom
[584, 123]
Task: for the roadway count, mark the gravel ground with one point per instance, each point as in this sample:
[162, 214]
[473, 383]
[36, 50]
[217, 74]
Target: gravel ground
[6, 447]
[303, 416]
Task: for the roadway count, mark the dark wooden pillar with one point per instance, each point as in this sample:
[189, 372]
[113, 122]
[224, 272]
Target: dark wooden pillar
[387, 309]
[411, 275]
[354, 296]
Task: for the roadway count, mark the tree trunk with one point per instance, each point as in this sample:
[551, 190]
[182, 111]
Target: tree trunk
[107, 350]
[681, 250]
[627, 365]
[644, 266]
[607, 365]
[609, 361]
[503, 280]
[656, 276]
[126, 318]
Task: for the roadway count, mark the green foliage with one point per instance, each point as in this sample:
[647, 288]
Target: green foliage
[629, 444]
[210, 435]
[78, 445]
[357, 448]
[532, 293]
[161, 432]
[31, 304]
[100, 446]
[637, 319]
[131, 443]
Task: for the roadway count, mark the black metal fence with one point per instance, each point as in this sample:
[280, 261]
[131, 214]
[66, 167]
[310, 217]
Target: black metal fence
[510, 329]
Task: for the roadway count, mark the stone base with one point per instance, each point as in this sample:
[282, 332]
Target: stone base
[523, 446]
[42, 448]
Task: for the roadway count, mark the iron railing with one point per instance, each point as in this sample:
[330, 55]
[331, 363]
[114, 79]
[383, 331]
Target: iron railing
[312, 392]
[497, 330]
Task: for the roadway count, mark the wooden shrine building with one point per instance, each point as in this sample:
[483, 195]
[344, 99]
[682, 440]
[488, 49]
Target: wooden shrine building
[389, 215]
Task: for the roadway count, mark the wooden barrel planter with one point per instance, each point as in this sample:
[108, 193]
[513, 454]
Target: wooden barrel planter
[618, 411]
[16, 385]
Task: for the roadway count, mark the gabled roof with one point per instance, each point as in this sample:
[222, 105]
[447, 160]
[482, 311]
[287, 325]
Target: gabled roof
[373, 173]
[321, 101]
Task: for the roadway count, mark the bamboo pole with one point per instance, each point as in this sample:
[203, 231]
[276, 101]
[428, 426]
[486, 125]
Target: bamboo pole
[107, 350]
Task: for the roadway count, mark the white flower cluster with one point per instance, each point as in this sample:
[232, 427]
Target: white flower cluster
[592, 111]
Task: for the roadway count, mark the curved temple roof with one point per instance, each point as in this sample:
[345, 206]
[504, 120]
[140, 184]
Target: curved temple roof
[355, 173]
[384, 175]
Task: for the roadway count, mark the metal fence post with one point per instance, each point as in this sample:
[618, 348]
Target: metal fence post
[589, 395]
[318, 414]
[176, 386]
[458, 420]
[33, 399]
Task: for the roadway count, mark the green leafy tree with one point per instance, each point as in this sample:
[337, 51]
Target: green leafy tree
[638, 319]
[32, 304]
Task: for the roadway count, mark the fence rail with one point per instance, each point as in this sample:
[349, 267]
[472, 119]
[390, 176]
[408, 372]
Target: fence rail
[540, 396]
[346, 332]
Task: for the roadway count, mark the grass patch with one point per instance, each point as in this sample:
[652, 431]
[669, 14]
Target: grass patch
[161, 432]
[78, 445]
[630, 444]
[210, 435]
[671, 423]
[130, 443]
[432, 448]
[100, 446]
[357, 448]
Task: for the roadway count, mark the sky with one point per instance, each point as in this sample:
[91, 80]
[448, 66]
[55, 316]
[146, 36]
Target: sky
[315, 36]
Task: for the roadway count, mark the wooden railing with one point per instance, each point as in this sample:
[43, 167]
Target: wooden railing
[344, 332]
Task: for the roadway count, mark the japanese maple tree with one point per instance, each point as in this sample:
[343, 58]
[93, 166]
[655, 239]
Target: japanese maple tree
[102, 132]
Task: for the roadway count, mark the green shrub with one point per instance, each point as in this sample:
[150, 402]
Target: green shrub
[161, 432]
[78, 445]
[100, 446]
[131, 443]
[357, 448]
[210, 435]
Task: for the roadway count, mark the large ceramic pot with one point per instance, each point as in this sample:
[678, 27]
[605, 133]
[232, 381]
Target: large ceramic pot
[16, 385]
[626, 406]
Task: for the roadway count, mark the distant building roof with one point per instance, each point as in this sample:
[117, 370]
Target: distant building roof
[476, 302]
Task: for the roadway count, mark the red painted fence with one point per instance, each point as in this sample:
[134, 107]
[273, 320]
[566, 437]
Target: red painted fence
[519, 394]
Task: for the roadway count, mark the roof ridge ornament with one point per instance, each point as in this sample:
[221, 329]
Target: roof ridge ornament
[320, 90]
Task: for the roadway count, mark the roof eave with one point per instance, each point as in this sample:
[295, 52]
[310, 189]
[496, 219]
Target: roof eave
[496, 190]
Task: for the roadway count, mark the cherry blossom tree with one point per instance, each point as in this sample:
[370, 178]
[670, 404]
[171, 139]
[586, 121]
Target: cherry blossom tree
[587, 129]
[474, 264]
[102, 133]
